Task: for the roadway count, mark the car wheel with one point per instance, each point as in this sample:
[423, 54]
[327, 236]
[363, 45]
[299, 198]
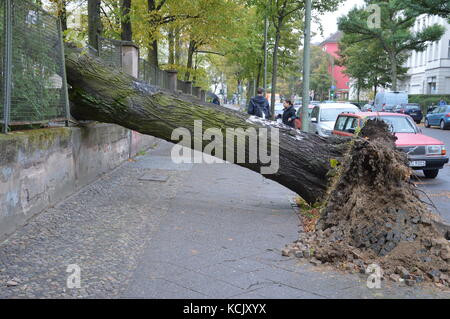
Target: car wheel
[442, 125]
[432, 173]
[418, 122]
[427, 124]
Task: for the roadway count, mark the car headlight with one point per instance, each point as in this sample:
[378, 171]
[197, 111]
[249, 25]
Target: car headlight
[436, 150]
[325, 131]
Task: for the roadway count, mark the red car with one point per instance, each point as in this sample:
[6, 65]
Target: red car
[424, 152]
[298, 120]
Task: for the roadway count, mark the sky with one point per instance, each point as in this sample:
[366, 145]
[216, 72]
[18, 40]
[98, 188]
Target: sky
[329, 20]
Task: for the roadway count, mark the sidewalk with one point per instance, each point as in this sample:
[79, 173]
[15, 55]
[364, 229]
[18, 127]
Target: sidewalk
[209, 231]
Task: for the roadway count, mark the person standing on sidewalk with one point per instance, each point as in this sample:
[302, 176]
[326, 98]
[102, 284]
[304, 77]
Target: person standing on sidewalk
[289, 113]
[259, 106]
[216, 100]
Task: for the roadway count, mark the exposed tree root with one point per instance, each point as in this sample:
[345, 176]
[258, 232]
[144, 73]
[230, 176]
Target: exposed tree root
[374, 215]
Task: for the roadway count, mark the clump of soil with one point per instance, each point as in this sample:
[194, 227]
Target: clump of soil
[374, 215]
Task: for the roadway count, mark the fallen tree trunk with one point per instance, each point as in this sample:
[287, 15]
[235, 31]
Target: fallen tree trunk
[102, 94]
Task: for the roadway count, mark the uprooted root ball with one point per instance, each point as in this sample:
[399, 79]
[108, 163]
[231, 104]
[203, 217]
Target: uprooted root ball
[374, 215]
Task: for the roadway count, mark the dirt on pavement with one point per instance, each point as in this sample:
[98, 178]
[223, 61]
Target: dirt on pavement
[374, 215]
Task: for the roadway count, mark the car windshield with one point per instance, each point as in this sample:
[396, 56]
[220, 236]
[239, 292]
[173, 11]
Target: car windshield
[412, 107]
[278, 106]
[329, 115]
[399, 124]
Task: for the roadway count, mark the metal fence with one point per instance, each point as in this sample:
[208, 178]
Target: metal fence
[181, 85]
[33, 82]
[152, 74]
[110, 51]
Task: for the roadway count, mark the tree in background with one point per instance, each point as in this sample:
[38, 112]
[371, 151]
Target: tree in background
[367, 64]
[280, 13]
[197, 37]
[434, 7]
[94, 22]
[60, 7]
[394, 33]
[321, 79]
[127, 31]
[217, 21]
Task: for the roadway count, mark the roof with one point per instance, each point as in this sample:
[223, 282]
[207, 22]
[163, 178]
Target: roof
[334, 38]
[337, 105]
[367, 114]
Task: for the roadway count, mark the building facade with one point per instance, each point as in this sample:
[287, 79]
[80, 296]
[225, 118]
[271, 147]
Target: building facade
[340, 80]
[429, 71]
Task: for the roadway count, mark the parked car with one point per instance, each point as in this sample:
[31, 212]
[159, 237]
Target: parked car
[298, 121]
[424, 153]
[388, 108]
[278, 109]
[367, 108]
[431, 108]
[324, 115]
[440, 116]
[412, 109]
[389, 99]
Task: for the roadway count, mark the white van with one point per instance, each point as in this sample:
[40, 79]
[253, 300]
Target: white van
[324, 115]
[389, 100]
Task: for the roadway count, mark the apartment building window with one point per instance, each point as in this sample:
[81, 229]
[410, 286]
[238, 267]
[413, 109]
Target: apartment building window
[448, 49]
[431, 89]
[436, 49]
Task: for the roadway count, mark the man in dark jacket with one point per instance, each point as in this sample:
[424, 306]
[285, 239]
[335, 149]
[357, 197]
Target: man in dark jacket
[289, 113]
[259, 106]
[216, 100]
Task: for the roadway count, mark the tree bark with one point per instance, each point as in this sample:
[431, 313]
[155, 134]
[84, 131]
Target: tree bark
[275, 67]
[178, 45]
[258, 76]
[153, 53]
[94, 22]
[171, 40]
[62, 13]
[107, 95]
[249, 89]
[190, 58]
[393, 60]
[153, 49]
[127, 32]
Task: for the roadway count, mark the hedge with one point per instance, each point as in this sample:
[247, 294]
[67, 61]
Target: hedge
[425, 100]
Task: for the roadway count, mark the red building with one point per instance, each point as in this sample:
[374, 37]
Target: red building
[340, 80]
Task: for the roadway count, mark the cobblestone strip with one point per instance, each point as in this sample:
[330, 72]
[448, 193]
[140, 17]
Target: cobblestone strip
[102, 229]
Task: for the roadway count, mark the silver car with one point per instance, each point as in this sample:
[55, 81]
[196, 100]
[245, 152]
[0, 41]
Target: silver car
[324, 115]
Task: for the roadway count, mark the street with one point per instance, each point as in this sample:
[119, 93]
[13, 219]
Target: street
[438, 189]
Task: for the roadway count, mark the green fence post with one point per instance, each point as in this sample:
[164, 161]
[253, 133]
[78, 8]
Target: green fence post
[7, 66]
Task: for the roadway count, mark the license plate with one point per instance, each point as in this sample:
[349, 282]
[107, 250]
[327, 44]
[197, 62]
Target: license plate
[418, 163]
